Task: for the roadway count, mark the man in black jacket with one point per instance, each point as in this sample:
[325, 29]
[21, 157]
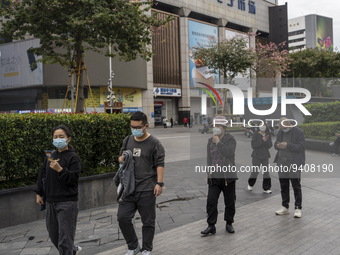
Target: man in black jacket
[221, 154]
[291, 159]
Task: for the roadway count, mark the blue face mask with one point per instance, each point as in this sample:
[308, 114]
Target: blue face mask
[137, 132]
[60, 143]
[286, 130]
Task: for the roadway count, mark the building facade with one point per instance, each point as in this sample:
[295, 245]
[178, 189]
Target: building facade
[310, 31]
[166, 87]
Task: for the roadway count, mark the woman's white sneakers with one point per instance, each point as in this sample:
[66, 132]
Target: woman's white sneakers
[297, 213]
[282, 211]
[78, 250]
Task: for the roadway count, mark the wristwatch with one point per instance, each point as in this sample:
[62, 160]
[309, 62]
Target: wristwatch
[160, 184]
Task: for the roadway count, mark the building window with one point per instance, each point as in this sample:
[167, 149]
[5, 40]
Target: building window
[166, 53]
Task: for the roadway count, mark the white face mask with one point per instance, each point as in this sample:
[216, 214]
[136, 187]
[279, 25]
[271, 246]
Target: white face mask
[217, 131]
[263, 128]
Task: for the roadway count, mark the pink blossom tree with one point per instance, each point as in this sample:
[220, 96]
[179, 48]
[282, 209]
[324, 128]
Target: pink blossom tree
[271, 62]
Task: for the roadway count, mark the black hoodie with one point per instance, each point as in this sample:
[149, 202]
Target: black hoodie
[62, 186]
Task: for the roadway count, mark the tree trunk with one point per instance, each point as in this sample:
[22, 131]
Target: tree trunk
[226, 105]
[79, 82]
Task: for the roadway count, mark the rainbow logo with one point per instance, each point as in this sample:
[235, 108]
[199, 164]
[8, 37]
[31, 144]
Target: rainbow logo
[210, 94]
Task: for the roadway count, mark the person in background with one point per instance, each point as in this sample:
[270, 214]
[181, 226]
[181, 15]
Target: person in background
[57, 187]
[185, 121]
[221, 152]
[172, 122]
[336, 144]
[290, 156]
[261, 143]
[148, 154]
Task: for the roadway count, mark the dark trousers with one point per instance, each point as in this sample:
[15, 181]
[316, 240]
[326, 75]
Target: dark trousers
[266, 183]
[61, 222]
[295, 179]
[145, 203]
[216, 186]
[337, 146]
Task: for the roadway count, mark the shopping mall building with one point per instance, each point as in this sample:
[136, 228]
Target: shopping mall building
[164, 87]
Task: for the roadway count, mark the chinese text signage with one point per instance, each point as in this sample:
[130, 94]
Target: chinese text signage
[242, 5]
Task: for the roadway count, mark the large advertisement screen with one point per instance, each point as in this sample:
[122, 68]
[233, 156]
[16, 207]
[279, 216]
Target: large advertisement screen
[19, 67]
[201, 34]
[324, 33]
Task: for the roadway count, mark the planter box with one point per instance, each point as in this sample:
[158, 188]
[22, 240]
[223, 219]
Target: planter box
[17, 206]
[318, 145]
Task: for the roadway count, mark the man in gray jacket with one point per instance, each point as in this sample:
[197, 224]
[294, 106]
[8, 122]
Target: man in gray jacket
[148, 154]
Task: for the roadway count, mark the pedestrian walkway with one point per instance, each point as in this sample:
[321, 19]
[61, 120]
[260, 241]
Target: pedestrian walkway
[258, 230]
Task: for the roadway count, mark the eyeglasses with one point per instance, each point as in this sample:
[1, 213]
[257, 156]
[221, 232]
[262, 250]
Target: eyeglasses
[137, 127]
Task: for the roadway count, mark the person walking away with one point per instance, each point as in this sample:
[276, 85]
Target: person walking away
[221, 152]
[171, 122]
[261, 143]
[148, 154]
[57, 188]
[290, 159]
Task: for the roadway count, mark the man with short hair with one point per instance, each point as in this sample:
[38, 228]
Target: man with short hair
[290, 158]
[148, 154]
[221, 153]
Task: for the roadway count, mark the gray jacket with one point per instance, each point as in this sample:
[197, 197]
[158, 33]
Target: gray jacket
[125, 177]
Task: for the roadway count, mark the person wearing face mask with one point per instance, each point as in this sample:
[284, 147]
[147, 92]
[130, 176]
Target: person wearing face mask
[261, 143]
[57, 188]
[148, 155]
[290, 157]
[221, 152]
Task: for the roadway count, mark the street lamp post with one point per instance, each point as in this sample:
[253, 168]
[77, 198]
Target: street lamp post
[111, 97]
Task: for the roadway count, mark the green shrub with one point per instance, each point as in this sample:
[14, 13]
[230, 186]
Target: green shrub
[96, 138]
[323, 112]
[321, 130]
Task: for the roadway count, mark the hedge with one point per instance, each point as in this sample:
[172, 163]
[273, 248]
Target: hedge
[321, 130]
[96, 138]
[323, 112]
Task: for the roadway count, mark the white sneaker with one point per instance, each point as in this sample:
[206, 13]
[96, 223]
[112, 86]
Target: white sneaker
[297, 213]
[250, 188]
[133, 252]
[282, 211]
[268, 191]
[78, 250]
[146, 252]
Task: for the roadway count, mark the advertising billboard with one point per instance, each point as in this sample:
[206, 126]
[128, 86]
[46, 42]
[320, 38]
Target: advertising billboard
[324, 33]
[19, 67]
[201, 34]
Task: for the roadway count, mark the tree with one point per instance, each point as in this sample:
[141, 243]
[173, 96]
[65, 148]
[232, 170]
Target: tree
[67, 29]
[317, 68]
[271, 61]
[229, 58]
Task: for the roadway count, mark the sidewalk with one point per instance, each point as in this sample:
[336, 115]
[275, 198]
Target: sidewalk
[260, 231]
[181, 213]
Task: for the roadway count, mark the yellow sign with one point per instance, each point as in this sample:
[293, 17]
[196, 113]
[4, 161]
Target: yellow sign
[96, 98]
[129, 97]
[11, 74]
